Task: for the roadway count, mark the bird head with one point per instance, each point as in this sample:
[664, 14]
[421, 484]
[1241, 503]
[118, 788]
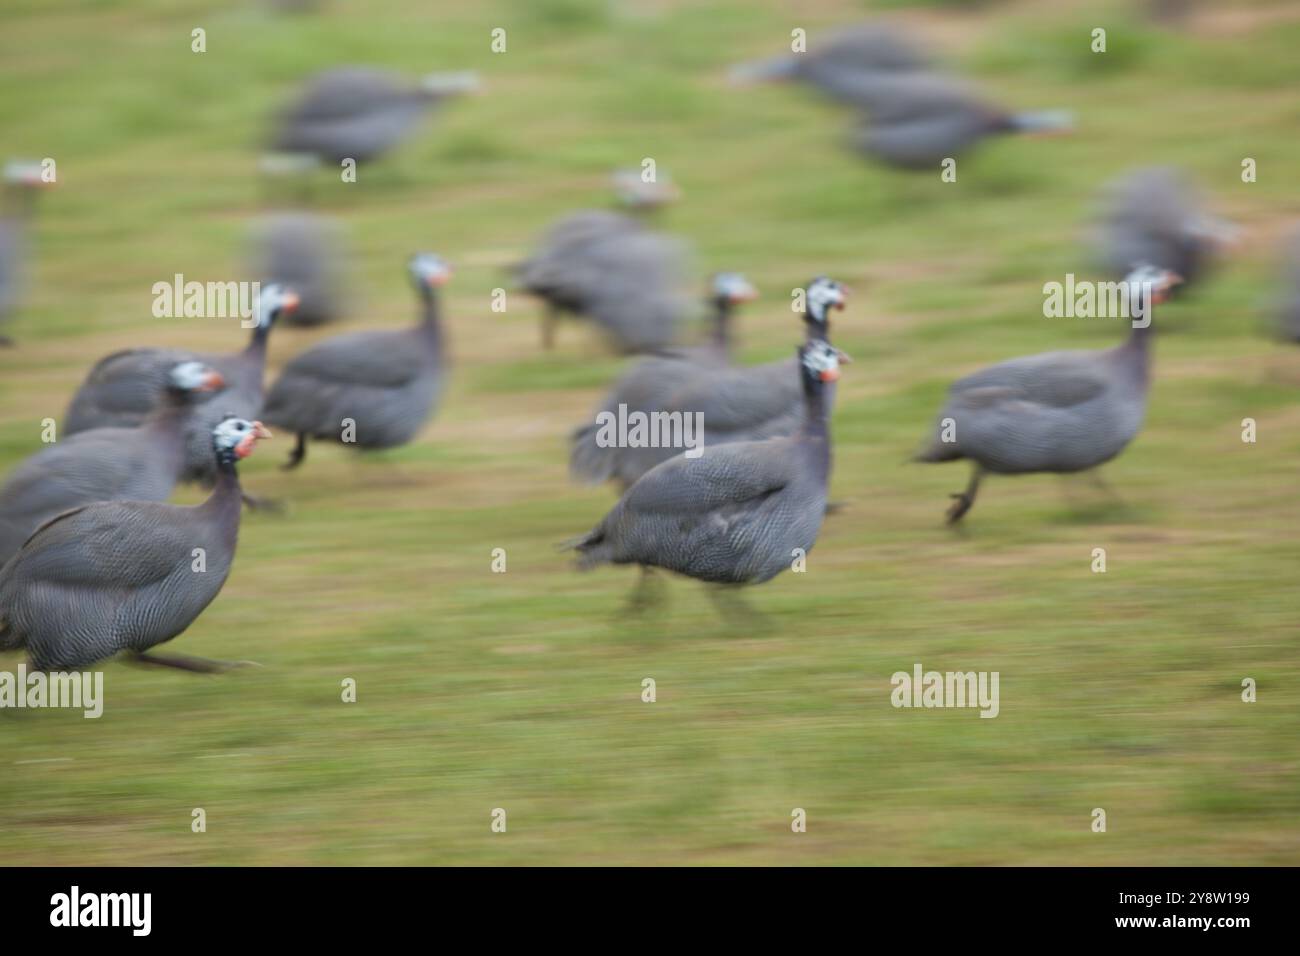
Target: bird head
[732, 288]
[822, 295]
[273, 301]
[429, 271]
[820, 360]
[234, 437]
[194, 376]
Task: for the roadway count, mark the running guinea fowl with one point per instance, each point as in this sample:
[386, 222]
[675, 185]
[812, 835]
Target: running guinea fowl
[610, 268]
[360, 113]
[916, 121]
[142, 463]
[302, 251]
[119, 576]
[1057, 412]
[845, 65]
[371, 389]
[651, 381]
[123, 388]
[740, 513]
[737, 404]
[21, 182]
[1153, 216]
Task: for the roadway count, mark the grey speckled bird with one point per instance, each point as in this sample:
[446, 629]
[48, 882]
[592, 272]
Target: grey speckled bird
[612, 269]
[367, 389]
[738, 514]
[302, 251]
[104, 464]
[22, 181]
[845, 64]
[737, 404]
[648, 384]
[124, 388]
[360, 113]
[1153, 216]
[1056, 412]
[118, 576]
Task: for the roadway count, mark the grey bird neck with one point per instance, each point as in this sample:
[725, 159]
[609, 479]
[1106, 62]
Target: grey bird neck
[166, 426]
[814, 435]
[723, 312]
[430, 315]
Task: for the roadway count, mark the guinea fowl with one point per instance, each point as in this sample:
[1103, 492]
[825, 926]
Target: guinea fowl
[610, 268]
[916, 121]
[371, 389]
[21, 181]
[845, 65]
[650, 382]
[740, 513]
[302, 251]
[1057, 412]
[360, 113]
[117, 576]
[142, 463]
[736, 404]
[1153, 216]
[123, 388]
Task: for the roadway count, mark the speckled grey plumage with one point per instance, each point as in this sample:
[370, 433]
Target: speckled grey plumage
[124, 388]
[387, 382]
[351, 112]
[141, 463]
[738, 404]
[609, 268]
[116, 576]
[735, 515]
[1154, 216]
[845, 64]
[917, 120]
[1056, 412]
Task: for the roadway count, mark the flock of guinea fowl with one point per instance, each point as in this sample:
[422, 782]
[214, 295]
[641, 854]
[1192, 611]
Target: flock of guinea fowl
[96, 562]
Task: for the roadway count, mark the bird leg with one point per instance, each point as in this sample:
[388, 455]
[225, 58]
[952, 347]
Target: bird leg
[297, 455]
[965, 499]
[198, 665]
[736, 611]
[647, 593]
[550, 319]
[1102, 485]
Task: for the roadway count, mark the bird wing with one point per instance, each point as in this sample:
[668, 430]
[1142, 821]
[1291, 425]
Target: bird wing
[724, 477]
[383, 359]
[1056, 379]
[110, 545]
[739, 399]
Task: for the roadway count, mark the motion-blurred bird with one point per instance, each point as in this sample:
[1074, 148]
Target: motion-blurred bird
[738, 514]
[360, 113]
[122, 389]
[302, 251]
[1055, 412]
[1153, 216]
[119, 576]
[368, 389]
[141, 463]
[736, 404]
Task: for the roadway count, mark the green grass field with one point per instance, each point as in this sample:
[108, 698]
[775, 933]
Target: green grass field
[523, 690]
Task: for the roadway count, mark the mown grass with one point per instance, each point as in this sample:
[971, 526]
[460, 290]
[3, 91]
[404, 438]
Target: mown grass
[522, 690]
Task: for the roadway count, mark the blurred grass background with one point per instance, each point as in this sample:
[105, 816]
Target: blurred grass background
[522, 690]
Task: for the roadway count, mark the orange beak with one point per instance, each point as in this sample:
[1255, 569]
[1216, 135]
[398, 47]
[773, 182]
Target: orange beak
[261, 431]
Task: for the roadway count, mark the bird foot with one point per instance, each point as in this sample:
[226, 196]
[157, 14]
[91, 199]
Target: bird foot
[961, 504]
